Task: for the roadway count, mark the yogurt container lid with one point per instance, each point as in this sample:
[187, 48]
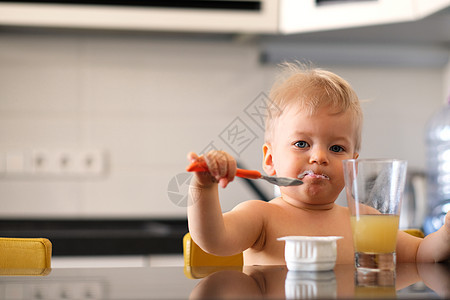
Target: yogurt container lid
[310, 238]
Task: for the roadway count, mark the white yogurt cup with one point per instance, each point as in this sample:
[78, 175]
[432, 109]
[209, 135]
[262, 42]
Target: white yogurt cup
[310, 253]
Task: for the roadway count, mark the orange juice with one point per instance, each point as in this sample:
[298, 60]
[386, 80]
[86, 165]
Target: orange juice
[375, 233]
[375, 292]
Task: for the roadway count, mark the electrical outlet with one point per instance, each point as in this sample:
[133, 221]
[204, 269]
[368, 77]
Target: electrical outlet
[91, 162]
[67, 162]
[62, 163]
[79, 162]
[43, 162]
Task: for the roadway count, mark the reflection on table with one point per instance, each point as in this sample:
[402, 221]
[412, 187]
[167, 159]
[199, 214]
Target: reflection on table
[248, 282]
[276, 282]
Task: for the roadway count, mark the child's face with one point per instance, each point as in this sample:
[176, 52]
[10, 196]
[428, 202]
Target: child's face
[316, 143]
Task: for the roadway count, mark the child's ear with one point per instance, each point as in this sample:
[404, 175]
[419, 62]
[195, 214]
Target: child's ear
[267, 160]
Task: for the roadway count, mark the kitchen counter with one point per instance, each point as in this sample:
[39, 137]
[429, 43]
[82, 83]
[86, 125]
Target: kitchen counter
[78, 237]
[409, 281]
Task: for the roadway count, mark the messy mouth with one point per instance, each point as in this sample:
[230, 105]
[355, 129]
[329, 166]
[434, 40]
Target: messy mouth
[311, 173]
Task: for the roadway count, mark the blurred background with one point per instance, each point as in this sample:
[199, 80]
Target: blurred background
[101, 102]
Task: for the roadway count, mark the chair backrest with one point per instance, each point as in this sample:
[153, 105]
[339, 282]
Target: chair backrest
[25, 253]
[199, 264]
[415, 232]
[194, 256]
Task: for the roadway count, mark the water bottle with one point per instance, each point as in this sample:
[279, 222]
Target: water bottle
[438, 168]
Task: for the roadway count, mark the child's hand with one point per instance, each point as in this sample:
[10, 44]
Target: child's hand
[445, 236]
[221, 166]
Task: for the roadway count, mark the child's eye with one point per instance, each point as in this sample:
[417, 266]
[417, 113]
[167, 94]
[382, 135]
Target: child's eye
[336, 148]
[301, 144]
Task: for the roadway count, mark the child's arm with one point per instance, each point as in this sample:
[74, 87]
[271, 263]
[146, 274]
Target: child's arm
[435, 247]
[215, 233]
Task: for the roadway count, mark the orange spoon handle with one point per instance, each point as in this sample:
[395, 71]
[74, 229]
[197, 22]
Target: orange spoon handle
[197, 167]
[250, 174]
[202, 167]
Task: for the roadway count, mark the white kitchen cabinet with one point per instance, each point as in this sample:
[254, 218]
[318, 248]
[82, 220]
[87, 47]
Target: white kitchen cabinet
[262, 20]
[304, 16]
[268, 16]
[424, 8]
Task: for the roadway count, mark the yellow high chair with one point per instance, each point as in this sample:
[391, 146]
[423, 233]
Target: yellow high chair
[198, 263]
[415, 232]
[25, 256]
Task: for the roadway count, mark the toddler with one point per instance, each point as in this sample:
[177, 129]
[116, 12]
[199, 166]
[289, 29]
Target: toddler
[314, 122]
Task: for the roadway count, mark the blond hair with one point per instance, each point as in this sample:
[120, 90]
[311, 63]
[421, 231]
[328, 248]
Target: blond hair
[310, 89]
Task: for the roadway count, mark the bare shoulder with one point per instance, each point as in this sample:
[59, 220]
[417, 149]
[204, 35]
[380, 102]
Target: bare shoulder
[251, 213]
[256, 211]
[252, 205]
[342, 209]
[279, 207]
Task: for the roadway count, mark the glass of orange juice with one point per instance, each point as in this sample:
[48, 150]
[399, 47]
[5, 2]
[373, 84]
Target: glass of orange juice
[374, 189]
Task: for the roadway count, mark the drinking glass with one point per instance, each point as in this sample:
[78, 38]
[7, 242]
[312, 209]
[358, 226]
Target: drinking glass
[375, 285]
[374, 191]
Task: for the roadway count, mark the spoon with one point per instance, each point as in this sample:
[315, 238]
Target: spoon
[249, 174]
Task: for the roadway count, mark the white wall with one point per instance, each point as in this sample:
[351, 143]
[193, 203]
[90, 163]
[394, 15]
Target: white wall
[147, 100]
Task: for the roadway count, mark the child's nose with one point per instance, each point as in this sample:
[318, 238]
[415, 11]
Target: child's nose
[318, 156]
